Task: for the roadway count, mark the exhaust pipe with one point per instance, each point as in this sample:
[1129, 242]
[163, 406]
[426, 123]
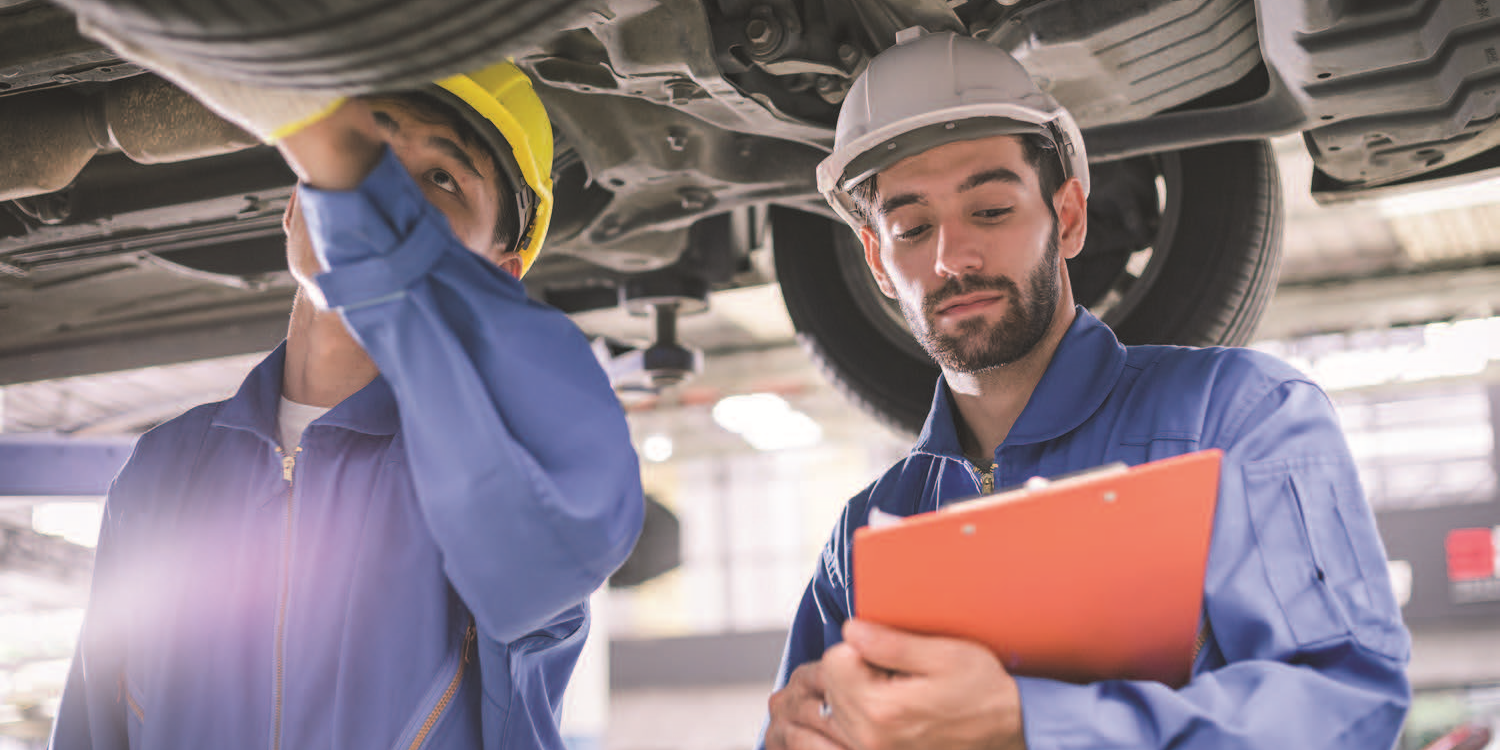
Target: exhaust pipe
[46, 138]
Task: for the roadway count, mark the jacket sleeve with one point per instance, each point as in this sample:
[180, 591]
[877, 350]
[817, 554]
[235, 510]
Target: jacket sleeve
[1307, 648]
[518, 446]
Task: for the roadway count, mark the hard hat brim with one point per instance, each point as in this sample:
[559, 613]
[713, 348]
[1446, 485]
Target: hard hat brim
[877, 150]
[913, 142]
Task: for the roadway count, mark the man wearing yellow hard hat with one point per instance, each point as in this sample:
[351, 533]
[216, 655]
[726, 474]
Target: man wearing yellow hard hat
[388, 536]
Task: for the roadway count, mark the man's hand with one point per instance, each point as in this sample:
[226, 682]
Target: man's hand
[335, 153]
[338, 151]
[892, 689]
[799, 719]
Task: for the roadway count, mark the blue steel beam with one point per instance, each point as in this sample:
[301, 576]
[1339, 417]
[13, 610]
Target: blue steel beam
[44, 464]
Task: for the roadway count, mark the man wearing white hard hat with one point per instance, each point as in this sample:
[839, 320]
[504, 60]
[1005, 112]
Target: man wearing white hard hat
[968, 187]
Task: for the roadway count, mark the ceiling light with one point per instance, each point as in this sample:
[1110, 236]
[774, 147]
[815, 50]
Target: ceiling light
[767, 422]
[1441, 350]
[77, 522]
[656, 448]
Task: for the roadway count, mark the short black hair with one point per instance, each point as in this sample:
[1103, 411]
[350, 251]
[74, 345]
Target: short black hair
[1039, 151]
[434, 111]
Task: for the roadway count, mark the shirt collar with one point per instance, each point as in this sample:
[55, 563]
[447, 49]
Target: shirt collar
[371, 410]
[1079, 378]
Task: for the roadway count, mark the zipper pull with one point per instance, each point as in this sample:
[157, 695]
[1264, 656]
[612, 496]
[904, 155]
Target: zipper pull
[985, 475]
[470, 636]
[288, 463]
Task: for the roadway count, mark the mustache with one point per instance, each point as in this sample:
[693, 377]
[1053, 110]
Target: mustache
[954, 287]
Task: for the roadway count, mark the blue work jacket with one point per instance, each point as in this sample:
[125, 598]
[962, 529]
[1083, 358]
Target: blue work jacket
[417, 575]
[1305, 646]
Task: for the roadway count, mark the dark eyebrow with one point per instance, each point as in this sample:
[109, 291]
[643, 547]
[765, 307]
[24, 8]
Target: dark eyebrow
[897, 201]
[452, 150]
[998, 174]
[386, 122]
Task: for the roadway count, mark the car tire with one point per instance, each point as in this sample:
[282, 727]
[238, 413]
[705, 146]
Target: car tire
[347, 46]
[1183, 248]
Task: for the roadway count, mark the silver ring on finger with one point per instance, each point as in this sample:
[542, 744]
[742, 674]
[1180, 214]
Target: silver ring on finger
[824, 710]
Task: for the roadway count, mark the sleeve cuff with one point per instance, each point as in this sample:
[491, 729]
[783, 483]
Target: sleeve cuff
[1049, 715]
[374, 240]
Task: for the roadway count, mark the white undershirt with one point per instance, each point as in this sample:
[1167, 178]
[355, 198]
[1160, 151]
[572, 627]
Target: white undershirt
[291, 419]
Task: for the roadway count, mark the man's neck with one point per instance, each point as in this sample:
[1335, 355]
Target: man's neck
[324, 364]
[989, 402]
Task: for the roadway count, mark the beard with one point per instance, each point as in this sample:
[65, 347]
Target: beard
[978, 344]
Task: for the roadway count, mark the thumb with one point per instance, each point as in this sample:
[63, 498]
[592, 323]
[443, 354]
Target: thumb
[899, 650]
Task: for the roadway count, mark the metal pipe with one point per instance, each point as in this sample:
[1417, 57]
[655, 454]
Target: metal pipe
[153, 122]
[47, 137]
[43, 145]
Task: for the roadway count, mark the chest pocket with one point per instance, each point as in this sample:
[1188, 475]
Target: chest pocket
[1323, 558]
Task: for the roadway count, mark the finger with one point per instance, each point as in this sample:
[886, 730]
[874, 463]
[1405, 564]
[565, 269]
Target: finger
[798, 705]
[851, 681]
[845, 669]
[802, 737]
[907, 652]
[803, 700]
[814, 713]
[808, 678]
[795, 712]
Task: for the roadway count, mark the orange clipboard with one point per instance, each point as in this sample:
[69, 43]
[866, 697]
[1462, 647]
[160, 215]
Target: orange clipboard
[1093, 577]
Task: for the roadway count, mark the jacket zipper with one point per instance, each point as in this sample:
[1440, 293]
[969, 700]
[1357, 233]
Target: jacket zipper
[985, 477]
[1198, 643]
[135, 708]
[288, 470]
[458, 675]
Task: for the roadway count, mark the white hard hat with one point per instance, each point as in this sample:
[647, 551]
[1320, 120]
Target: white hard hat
[932, 89]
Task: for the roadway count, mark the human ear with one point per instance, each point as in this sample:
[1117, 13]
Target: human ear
[870, 239]
[286, 216]
[510, 262]
[1072, 209]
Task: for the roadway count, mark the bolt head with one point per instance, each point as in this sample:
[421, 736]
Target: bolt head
[758, 31]
[680, 92]
[848, 54]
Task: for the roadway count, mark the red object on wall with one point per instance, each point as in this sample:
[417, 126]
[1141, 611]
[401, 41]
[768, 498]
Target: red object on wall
[1471, 554]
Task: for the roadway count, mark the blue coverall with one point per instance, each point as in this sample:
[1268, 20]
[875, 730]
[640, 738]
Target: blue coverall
[1305, 645]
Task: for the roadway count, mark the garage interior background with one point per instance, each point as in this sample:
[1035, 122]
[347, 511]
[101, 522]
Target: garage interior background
[1390, 304]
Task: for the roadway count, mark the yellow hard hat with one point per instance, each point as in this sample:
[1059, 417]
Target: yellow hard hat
[504, 108]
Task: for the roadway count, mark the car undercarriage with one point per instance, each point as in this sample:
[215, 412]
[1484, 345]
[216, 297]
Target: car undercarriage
[140, 229]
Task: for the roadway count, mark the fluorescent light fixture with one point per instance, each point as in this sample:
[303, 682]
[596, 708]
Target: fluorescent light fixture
[1425, 441]
[1467, 195]
[767, 422]
[656, 448]
[77, 522]
[1443, 350]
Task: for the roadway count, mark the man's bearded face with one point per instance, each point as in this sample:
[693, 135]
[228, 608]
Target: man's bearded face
[978, 344]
